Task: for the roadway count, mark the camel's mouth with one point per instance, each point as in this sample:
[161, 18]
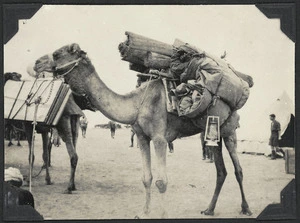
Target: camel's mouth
[45, 63]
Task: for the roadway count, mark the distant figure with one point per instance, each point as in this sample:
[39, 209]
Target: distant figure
[83, 125]
[112, 126]
[275, 137]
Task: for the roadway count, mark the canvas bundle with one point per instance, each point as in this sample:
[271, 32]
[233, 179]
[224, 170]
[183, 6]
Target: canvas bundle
[221, 81]
[186, 62]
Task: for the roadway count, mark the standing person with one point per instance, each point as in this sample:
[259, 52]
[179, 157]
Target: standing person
[275, 137]
[112, 126]
[206, 151]
[83, 125]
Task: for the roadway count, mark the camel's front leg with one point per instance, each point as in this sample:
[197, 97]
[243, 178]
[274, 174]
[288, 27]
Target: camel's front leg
[160, 145]
[46, 154]
[231, 144]
[221, 175]
[144, 143]
[75, 128]
[29, 134]
[65, 132]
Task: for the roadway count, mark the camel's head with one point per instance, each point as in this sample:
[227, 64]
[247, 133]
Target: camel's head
[68, 54]
[12, 76]
[73, 64]
[44, 64]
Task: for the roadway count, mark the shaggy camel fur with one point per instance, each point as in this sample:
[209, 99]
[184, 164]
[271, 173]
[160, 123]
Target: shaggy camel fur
[145, 109]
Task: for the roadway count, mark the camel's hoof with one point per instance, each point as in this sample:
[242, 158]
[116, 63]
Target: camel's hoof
[49, 182]
[67, 191]
[136, 217]
[19, 144]
[10, 144]
[72, 188]
[246, 211]
[208, 212]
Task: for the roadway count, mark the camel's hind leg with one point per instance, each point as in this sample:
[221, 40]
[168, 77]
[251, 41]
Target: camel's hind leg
[144, 143]
[231, 144]
[65, 132]
[221, 175]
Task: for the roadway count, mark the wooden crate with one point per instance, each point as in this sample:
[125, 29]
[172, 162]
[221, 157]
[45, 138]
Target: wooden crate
[290, 161]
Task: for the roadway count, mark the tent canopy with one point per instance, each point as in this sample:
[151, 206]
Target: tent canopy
[259, 129]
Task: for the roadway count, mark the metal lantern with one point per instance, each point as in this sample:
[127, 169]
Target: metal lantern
[212, 131]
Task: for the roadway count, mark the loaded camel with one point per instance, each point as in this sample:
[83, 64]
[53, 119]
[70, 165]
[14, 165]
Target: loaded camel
[12, 126]
[145, 109]
[67, 128]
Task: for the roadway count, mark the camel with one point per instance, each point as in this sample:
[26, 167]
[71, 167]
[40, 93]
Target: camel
[67, 127]
[145, 109]
[11, 126]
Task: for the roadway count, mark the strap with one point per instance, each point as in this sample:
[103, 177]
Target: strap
[16, 100]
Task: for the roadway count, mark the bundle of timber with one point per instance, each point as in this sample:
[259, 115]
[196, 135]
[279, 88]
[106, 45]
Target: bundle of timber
[42, 100]
[185, 62]
[147, 52]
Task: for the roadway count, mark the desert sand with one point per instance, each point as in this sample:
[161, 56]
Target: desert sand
[109, 186]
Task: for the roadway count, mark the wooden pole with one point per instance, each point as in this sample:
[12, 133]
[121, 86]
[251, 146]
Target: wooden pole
[139, 42]
[157, 61]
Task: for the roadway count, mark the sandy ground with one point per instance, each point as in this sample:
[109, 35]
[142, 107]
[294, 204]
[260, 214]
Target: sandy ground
[108, 180]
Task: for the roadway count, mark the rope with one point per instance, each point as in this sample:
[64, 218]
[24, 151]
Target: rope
[37, 102]
[29, 95]
[142, 101]
[76, 62]
[16, 100]
[35, 176]
[144, 96]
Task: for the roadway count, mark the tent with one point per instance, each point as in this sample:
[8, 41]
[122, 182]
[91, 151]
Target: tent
[256, 136]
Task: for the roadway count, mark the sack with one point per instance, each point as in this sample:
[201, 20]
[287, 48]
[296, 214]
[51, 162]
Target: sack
[195, 103]
[220, 80]
[217, 76]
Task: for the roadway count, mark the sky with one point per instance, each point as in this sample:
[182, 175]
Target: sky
[254, 44]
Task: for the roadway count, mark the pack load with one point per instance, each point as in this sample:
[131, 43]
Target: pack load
[22, 97]
[200, 77]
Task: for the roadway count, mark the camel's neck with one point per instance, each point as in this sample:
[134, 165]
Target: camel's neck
[120, 108]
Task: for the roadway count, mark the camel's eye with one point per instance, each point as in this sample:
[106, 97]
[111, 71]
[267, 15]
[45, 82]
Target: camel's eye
[56, 55]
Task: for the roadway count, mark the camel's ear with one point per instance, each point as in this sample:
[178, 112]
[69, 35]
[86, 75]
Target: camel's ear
[73, 48]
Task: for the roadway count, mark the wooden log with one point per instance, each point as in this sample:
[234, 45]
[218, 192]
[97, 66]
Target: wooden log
[139, 42]
[141, 57]
[138, 68]
[132, 55]
[157, 61]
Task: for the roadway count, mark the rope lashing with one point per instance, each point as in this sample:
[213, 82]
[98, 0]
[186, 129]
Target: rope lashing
[37, 103]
